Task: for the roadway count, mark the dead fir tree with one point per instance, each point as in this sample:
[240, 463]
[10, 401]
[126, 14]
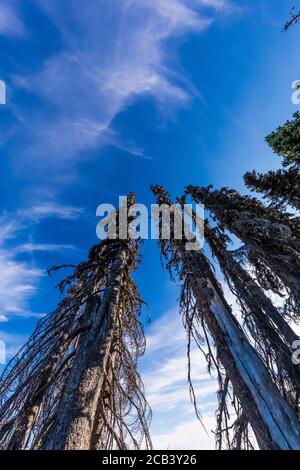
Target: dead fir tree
[271, 335]
[271, 239]
[75, 384]
[208, 318]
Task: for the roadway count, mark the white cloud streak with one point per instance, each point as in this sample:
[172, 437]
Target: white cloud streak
[32, 247]
[19, 279]
[121, 55]
[13, 342]
[17, 284]
[10, 22]
[164, 372]
[50, 209]
[187, 435]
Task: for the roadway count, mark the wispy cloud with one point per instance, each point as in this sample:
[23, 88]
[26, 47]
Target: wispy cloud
[187, 435]
[50, 209]
[8, 228]
[19, 280]
[32, 247]
[159, 336]
[120, 56]
[17, 283]
[10, 22]
[13, 342]
[164, 373]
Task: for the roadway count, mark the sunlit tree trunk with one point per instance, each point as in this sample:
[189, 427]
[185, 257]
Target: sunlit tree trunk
[272, 335]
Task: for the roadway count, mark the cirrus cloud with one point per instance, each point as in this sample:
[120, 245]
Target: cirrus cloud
[112, 53]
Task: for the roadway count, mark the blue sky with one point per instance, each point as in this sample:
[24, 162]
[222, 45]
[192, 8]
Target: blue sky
[105, 97]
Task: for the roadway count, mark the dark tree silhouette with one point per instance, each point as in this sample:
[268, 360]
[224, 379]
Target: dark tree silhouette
[285, 141]
[293, 19]
[281, 187]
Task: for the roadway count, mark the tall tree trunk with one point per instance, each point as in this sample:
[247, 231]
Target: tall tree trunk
[72, 428]
[271, 412]
[272, 239]
[272, 335]
[272, 419]
[54, 393]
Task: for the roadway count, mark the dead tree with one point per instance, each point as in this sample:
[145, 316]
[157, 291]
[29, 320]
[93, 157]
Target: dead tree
[272, 335]
[271, 238]
[257, 400]
[75, 384]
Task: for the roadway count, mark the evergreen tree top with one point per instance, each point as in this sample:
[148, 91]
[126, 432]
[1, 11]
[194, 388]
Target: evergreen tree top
[285, 141]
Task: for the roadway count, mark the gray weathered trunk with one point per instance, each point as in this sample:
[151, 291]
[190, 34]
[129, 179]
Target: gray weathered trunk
[270, 236]
[274, 422]
[273, 335]
[272, 419]
[73, 425]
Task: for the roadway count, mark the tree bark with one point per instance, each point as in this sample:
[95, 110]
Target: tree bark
[269, 235]
[73, 425]
[273, 421]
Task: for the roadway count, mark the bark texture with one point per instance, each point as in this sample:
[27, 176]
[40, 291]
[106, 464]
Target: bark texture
[75, 384]
[272, 419]
[272, 335]
[271, 238]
